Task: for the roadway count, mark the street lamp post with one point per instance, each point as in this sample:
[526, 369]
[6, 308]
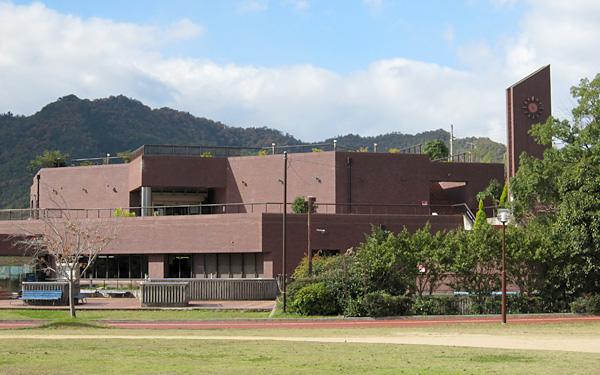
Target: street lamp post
[311, 200]
[503, 216]
[284, 257]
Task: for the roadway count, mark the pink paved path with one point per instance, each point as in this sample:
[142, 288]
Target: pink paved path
[348, 323]
[134, 304]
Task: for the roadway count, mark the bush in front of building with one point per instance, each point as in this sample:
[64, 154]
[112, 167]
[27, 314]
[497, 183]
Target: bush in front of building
[435, 305]
[314, 299]
[379, 304]
[588, 304]
[592, 305]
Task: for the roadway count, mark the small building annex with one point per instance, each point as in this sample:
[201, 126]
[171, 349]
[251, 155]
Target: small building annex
[222, 216]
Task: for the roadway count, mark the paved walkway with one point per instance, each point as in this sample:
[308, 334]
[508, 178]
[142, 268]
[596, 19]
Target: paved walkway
[118, 303]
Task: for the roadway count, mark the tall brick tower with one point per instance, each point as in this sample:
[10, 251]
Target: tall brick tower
[527, 103]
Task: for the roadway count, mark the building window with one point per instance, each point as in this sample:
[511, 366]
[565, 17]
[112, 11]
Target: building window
[119, 267]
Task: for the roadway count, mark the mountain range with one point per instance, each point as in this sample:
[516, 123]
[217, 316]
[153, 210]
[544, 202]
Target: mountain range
[86, 128]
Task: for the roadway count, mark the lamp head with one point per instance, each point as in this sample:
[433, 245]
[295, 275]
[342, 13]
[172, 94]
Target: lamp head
[503, 215]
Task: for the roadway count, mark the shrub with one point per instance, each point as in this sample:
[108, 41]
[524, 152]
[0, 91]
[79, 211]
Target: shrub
[297, 284]
[119, 212]
[435, 305]
[380, 304]
[578, 306]
[314, 299]
[486, 305]
[522, 304]
[592, 305]
[355, 307]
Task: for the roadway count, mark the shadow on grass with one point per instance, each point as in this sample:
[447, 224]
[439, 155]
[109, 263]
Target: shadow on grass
[72, 323]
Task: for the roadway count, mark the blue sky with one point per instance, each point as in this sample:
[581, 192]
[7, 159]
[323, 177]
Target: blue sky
[314, 69]
[341, 36]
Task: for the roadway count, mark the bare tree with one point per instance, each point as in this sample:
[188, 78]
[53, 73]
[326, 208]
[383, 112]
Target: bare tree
[68, 240]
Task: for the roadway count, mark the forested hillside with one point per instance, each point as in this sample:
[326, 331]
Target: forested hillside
[92, 128]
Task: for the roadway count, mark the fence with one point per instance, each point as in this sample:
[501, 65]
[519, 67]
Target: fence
[238, 208]
[228, 289]
[164, 294]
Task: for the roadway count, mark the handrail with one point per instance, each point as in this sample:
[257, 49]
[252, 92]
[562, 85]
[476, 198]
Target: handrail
[233, 208]
[468, 211]
[458, 158]
[224, 151]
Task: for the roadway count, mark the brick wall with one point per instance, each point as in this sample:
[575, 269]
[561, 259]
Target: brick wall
[94, 186]
[341, 233]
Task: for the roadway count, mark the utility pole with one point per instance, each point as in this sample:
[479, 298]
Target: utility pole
[451, 141]
[473, 146]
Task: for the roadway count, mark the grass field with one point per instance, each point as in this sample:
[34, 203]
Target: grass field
[8, 314]
[86, 350]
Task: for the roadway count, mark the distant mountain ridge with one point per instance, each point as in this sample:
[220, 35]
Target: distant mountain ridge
[92, 128]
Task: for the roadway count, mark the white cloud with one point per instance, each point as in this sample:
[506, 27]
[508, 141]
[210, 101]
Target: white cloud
[560, 33]
[376, 6]
[45, 55]
[253, 6]
[302, 5]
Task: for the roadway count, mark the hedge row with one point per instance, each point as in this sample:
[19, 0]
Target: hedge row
[316, 299]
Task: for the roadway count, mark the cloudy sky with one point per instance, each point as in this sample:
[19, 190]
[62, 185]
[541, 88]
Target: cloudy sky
[312, 68]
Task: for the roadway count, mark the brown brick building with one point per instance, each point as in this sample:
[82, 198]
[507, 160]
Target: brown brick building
[222, 216]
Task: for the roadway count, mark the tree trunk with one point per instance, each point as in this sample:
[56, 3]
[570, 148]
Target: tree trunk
[72, 298]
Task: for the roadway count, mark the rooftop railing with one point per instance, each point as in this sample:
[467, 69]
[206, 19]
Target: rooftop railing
[220, 151]
[233, 208]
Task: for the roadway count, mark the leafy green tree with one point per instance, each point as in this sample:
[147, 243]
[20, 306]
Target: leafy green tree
[565, 185]
[476, 255]
[492, 192]
[50, 159]
[389, 261]
[436, 149]
[125, 155]
[504, 196]
[527, 252]
[432, 258]
[480, 216]
[300, 205]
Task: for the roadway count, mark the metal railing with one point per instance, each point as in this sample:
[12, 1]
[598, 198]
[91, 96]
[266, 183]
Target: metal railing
[235, 208]
[464, 157]
[226, 151]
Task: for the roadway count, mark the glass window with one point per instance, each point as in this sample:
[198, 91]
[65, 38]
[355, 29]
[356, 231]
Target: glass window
[112, 267]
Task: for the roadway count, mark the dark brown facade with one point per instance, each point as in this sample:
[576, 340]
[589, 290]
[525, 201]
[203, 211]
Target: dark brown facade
[528, 102]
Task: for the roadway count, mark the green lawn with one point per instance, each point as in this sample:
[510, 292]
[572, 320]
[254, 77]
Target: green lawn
[9, 314]
[101, 356]
[121, 351]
